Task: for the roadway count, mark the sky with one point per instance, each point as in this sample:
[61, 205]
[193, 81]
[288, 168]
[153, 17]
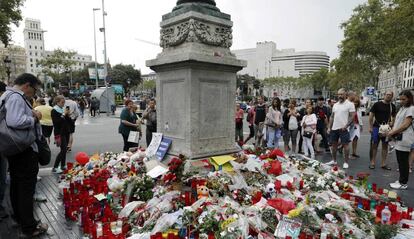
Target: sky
[306, 25]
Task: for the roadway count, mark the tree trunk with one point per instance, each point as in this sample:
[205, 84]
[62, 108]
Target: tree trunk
[397, 81]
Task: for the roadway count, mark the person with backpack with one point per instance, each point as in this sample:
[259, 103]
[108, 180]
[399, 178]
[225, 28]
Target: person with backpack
[17, 117]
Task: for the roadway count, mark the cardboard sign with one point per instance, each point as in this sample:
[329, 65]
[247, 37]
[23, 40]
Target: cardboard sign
[163, 149]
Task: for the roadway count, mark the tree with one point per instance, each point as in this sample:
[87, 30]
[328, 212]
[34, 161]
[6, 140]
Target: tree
[120, 74]
[10, 13]
[59, 65]
[149, 85]
[378, 35]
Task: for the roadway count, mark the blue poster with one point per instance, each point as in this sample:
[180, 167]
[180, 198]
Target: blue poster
[163, 148]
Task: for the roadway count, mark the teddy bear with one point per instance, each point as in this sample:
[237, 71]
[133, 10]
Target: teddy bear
[202, 191]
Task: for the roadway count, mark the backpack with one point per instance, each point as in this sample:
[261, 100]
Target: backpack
[13, 141]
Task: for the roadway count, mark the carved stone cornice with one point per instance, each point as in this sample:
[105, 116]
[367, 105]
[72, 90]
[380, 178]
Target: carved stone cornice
[194, 30]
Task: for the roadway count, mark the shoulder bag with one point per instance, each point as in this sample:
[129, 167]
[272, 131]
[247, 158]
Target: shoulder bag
[13, 141]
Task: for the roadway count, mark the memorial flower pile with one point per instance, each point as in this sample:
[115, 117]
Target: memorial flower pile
[259, 194]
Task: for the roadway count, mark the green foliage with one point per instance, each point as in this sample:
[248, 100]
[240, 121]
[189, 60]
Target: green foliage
[10, 13]
[378, 35]
[149, 84]
[58, 65]
[121, 73]
[282, 81]
[384, 231]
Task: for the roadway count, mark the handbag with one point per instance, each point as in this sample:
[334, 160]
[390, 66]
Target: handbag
[13, 141]
[307, 134]
[43, 150]
[385, 128]
[133, 137]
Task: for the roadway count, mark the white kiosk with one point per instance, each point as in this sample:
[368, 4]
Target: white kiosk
[106, 98]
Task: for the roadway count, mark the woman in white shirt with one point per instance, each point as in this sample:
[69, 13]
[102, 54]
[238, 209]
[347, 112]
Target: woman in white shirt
[356, 128]
[308, 131]
[403, 134]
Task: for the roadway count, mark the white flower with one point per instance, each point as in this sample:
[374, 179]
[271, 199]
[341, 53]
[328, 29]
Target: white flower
[336, 188]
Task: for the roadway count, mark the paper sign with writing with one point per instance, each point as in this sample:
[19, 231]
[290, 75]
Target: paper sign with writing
[154, 145]
[288, 227]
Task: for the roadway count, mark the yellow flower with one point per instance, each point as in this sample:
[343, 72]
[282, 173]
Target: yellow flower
[295, 212]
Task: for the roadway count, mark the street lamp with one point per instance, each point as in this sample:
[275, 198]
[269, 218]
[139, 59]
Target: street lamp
[7, 65]
[94, 38]
[103, 29]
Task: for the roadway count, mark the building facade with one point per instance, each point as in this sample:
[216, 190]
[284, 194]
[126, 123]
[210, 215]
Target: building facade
[266, 61]
[34, 45]
[408, 75]
[17, 56]
[405, 80]
[150, 76]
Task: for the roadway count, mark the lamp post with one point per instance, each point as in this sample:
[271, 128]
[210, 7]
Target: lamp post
[105, 55]
[94, 38]
[7, 65]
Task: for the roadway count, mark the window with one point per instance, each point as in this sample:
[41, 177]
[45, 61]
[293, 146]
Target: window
[30, 46]
[30, 53]
[41, 48]
[35, 47]
[31, 65]
[35, 53]
[31, 60]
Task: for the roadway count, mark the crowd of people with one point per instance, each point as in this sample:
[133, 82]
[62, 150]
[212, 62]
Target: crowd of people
[338, 125]
[334, 127]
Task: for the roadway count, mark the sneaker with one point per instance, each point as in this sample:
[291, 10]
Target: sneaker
[345, 166]
[398, 185]
[331, 162]
[57, 170]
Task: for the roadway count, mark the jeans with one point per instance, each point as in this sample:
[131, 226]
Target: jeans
[61, 157]
[23, 177]
[322, 132]
[403, 165]
[273, 136]
[308, 147]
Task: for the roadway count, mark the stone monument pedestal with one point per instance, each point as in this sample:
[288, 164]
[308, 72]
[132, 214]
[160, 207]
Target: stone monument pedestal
[196, 81]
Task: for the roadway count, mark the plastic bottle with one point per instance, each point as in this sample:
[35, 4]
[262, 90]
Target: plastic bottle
[385, 215]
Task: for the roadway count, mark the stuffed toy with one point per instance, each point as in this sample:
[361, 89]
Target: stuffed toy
[202, 191]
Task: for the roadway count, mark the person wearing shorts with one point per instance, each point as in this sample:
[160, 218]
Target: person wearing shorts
[382, 112]
[342, 117]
